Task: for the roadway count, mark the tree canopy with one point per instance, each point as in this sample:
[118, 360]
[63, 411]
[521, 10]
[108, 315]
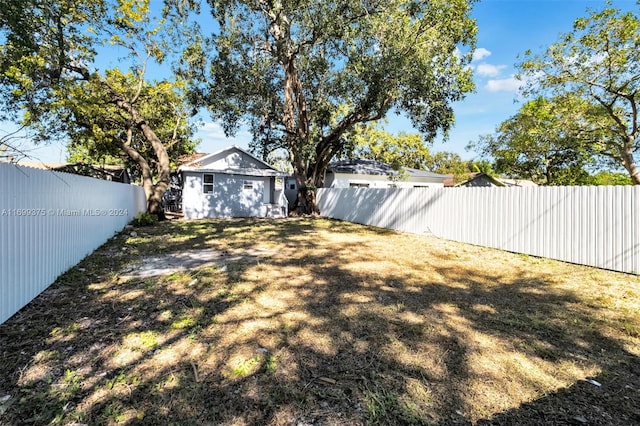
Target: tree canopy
[593, 76]
[106, 131]
[51, 81]
[302, 73]
[533, 145]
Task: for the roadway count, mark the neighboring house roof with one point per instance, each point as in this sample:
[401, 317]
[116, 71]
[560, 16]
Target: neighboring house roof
[359, 166]
[190, 158]
[212, 163]
[481, 179]
[484, 179]
[41, 165]
[109, 172]
[416, 173]
[449, 180]
[518, 182]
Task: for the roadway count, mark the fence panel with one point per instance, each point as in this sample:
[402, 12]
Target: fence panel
[595, 226]
[49, 221]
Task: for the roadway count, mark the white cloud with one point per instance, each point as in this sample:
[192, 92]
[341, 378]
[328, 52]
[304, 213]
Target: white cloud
[213, 138]
[480, 54]
[511, 84]
[488, 70]
[212, 131]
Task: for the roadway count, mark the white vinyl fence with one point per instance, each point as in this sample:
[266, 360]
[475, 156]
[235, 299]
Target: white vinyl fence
[49, 221]
[595, 226]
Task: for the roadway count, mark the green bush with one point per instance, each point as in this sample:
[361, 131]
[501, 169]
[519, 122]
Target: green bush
[144, 219]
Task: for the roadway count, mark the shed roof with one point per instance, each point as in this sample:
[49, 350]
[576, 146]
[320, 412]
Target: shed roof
[196, 165]
[202, 158]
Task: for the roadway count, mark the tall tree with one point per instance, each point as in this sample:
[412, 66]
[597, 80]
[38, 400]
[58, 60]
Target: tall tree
[450, 163]
[302, 73]
[533, 145]
[104, 130]
[595, 70]
[50, 80]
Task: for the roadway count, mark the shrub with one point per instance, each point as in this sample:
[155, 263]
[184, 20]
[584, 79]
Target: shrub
[144, 219]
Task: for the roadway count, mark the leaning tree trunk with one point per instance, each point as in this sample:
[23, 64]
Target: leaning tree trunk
[154, 200]
[153, 192]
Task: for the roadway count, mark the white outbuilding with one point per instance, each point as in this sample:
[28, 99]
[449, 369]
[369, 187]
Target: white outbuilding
[232, 183]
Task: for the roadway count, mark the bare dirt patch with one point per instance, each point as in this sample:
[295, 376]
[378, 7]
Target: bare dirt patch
[184, 261]
[302, 321]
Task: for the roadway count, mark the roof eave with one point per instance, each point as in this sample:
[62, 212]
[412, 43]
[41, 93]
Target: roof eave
[244, 172]
[202, 159]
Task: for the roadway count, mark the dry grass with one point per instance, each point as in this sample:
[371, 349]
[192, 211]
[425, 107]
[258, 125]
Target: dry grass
[325, 323]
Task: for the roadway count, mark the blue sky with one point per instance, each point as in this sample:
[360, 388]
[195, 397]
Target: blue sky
[506, 29]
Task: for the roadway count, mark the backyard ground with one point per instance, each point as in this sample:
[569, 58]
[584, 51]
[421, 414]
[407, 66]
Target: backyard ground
[317, 322]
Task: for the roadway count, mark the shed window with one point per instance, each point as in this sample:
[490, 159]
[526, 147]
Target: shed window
[207, 183]
[247, 185]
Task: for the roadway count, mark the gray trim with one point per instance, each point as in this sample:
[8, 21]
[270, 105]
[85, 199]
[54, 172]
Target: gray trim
[243, 172]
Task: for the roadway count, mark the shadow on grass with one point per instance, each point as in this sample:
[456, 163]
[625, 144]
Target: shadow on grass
[344, 324]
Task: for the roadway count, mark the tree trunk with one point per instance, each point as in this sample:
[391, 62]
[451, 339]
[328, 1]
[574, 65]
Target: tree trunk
[306, 202]
[153, 192]
[150, 190]
[154, 202]
[306, 198]
[630, 164]
[294, 115]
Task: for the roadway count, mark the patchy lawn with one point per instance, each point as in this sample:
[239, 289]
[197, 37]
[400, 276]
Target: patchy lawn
[304, 321]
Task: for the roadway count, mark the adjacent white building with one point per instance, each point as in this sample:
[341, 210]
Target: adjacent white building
[374, 174]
